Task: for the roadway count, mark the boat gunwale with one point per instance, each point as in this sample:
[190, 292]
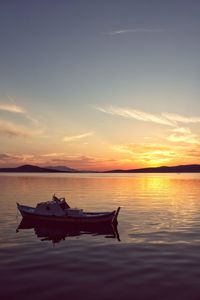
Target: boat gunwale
[105, 217]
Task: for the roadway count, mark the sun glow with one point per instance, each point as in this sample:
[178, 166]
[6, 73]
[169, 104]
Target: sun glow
[158, 157]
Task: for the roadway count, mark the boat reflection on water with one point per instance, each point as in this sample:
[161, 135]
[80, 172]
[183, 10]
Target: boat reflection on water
[47, 231]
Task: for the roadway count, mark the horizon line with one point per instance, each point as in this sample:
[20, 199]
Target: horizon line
[72, 170]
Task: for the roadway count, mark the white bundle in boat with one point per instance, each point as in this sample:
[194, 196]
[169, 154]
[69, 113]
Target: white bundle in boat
[51, 208]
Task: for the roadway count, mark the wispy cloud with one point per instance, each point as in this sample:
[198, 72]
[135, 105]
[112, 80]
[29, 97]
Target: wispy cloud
[11, 129]
[182, 130]
[75, 159]
[163, 118]
[183, 135]
[83, 162]
[5, 156]
[26, 126]
[10, 107]
[134, 30]
[136, 114]
[181, 119]
[54, 154]
[138, 148]
[77, 137]
[15, 158]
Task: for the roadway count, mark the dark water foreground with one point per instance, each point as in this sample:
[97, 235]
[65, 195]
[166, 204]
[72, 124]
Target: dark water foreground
[154, 253]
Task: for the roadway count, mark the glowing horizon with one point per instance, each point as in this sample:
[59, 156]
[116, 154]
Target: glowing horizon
[100, 92]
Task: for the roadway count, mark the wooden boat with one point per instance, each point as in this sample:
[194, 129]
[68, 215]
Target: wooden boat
[56, 232]
[57, 210]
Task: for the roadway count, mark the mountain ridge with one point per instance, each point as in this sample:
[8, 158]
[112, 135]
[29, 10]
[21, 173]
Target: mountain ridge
[62, 168]
[29, 169]
[193, 168]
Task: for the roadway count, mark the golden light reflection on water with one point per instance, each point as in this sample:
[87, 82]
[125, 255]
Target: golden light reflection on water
[153, 205]
[159, 228]
[162, 205]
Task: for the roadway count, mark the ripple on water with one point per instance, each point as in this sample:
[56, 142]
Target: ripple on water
[157, 258]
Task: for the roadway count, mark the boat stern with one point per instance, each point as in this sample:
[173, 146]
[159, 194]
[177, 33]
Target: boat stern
[114, 220]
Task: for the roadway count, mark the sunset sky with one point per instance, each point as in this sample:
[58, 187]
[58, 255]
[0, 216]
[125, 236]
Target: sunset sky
[99, 85]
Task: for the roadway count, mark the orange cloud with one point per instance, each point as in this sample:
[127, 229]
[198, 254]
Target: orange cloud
[152, 154]
[181, 119]
[53, 159]
[183, 135]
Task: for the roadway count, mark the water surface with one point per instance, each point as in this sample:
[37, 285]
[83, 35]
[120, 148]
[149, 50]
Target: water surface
[157, 257]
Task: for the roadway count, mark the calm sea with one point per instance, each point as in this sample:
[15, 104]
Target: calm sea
[154, 253]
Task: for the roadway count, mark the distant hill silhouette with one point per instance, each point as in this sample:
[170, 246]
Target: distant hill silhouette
[62, 168]
[163, 169]
[28, 169]
[35, 169]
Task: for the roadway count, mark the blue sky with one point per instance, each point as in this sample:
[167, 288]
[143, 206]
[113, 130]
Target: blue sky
[74, 67]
